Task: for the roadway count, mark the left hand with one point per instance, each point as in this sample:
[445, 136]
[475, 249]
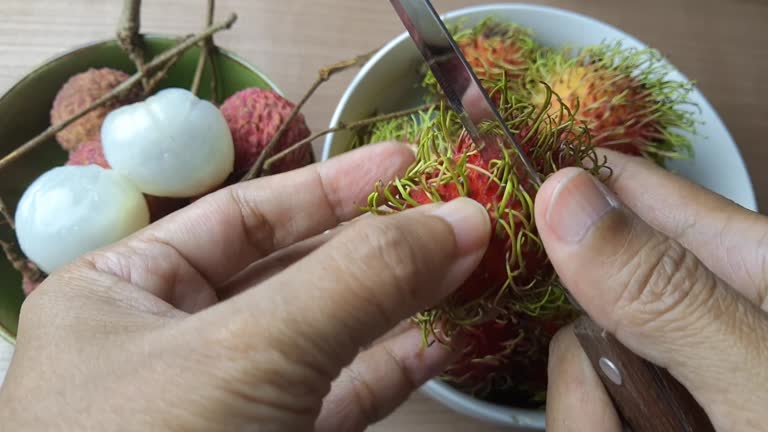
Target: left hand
[236, 313]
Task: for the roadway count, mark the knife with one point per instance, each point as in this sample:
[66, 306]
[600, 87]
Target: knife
[646, 396]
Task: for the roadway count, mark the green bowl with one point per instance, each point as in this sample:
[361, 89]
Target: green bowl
[25, 112]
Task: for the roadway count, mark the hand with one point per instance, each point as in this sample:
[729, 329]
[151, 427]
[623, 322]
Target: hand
[237, 313]
[677, 274]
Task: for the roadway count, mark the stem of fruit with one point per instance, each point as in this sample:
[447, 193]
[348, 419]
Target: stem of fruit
[157, 64]
[324, 75]
[344, 126]
[128, 35]
[12, 253]
[207, 55]
[159, 76]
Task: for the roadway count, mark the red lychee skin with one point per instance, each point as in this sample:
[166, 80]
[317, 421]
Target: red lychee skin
[28, 286]
[88, 153]
[79, 92]
[92, 153]
[254, 116]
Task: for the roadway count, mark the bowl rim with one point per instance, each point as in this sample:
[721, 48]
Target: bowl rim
[5, 333]
[72, 51]
[436, 389]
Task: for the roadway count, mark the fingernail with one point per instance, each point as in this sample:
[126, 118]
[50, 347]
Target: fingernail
[577, 204]
[470, 222]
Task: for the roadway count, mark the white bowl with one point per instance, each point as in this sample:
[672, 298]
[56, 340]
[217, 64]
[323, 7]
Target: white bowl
[388, 83]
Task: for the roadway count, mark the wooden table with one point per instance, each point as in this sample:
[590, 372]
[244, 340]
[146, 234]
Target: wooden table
[720, 44]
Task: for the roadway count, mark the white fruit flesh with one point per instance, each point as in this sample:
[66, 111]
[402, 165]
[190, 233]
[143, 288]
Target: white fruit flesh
[171, 145]
[72, 210]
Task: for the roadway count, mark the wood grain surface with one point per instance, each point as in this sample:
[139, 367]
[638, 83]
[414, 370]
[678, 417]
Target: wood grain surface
[720, 44]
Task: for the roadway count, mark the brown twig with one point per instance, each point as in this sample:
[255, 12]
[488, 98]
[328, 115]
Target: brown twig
[128, 35]
[6, 215]
[344, 126]
[156, 64]
[324, 75]
[13, 254]
[160, 75]
[206, 55]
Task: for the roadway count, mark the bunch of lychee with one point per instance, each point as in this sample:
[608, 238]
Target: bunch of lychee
[132, 161]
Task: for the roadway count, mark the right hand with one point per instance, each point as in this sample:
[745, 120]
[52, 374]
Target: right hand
[678, 274]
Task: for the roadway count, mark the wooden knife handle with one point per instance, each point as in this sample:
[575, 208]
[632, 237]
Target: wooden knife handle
[646, 396]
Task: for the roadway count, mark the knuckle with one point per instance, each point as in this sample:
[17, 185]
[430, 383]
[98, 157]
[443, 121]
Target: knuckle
[363, 396]
[664, 279]
[257, 229]
[397, 252]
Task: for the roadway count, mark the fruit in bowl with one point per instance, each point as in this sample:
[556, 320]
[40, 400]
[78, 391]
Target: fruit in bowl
[106, 147]
[566, 85]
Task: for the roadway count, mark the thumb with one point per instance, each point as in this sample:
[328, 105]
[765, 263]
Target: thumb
[655, 296]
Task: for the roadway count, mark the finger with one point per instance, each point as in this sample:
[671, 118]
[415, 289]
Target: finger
[379, 380]
[265, 268]
[730, 240]
[347, 293]
[654, 295]
[576, 398]
[209, 242]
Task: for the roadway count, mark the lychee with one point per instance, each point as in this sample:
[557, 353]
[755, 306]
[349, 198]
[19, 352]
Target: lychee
[92, 153]
[173, 144]
[254, 116]
[79, 92]
[88, 153]
[73, 210]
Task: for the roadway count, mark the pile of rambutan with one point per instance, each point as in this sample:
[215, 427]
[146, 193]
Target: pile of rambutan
[563, 105]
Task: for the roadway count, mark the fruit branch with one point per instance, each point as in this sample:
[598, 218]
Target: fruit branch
[155, 80]
[157, 64]
[128, 35]
[14, 256]
[345, 126]
[324, 75]
[207, 55]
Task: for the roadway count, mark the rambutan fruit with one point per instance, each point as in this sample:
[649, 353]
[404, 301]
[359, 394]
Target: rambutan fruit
[79, 92]
[495, 50]
[623, 96]
[506, 361]
[254, 116]
[514, 282]
[92, 153]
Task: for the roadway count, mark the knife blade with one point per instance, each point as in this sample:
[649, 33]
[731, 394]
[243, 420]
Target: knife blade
[455, 76]
[647, 397]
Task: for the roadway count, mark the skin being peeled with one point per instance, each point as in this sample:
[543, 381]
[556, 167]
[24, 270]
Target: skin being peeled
[561, 106]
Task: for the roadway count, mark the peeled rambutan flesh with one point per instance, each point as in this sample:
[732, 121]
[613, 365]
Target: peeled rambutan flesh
[79, 92]
[92, 153]
[254, 117]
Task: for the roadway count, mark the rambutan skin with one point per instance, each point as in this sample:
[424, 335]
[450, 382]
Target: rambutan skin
[622, 96]
[254, 116]
[79, 92]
